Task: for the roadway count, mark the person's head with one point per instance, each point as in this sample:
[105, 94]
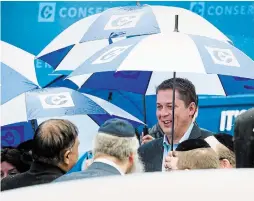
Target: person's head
[191, 144]
[12, 162]
[204, 158]
[244, 139]
[185, 105]
[56, 142]
[116, 141]
[225, 150]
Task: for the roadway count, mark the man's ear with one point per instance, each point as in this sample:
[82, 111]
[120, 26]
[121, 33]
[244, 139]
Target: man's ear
[131, 158]
[67, 157]
[192, 108]
[224, 163]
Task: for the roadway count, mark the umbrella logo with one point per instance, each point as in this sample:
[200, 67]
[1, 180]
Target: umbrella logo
[111, 54]
[123, 21]
[46, 12]
[223, 56]
[60, 100]
[12, 135]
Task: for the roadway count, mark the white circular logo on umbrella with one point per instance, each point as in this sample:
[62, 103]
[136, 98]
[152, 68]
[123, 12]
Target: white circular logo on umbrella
[123, 21]
[111, 54]
[223, 56]
[59, 100]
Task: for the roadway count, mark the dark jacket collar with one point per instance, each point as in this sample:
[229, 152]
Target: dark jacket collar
[196, 132]
[44, 167]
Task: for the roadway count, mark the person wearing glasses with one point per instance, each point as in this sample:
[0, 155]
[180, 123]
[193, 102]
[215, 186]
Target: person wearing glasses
[54, 152]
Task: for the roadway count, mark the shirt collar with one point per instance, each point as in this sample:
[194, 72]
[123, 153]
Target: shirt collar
[185, 136]
[111, 163]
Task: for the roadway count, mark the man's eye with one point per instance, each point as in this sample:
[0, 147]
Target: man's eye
[13, 173]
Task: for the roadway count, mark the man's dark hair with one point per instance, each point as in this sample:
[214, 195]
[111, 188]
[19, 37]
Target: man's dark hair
[52, 138]
[15, 157]
[184, 87]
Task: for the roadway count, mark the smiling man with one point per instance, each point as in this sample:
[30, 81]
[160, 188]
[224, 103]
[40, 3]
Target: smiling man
[154, 152]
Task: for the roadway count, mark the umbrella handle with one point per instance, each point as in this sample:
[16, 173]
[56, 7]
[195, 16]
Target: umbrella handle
[173, 113]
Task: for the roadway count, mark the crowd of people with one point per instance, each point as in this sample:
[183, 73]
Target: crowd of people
[117, 150]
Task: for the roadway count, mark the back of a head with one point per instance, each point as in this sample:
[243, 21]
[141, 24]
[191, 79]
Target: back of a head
[226, 140]
[185, 88]
[244, 139]
[204, 158]
[52, 138]
[116, 138]
[15, 158]
[191, 144]
[225, 148]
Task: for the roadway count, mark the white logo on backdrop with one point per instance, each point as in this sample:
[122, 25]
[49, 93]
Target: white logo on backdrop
[111, 54]
[227, 119]
[198, 7]
[123, 21]
[46, 12]
[213, 9]
[59, 100]
[49, 12]
[223, 56]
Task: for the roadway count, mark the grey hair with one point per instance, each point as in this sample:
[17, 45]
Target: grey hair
[118, 147]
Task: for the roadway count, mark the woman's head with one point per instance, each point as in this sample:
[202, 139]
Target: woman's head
[13, 162]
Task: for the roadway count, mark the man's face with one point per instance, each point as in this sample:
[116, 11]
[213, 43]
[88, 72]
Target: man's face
[183, 114]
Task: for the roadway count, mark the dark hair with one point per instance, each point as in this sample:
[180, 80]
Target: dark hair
[26, 146]
[15, 157]
[226, 140]
[191, 144]
[52, 138]
[184, 87]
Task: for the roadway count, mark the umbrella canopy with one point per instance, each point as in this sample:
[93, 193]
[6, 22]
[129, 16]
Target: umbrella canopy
[169, 52]
[95, 32]
[50, 102]
[17, 72]
[145, 82]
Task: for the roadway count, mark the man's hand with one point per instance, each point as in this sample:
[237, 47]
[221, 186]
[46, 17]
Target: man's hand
[171, 161]
[146, 138]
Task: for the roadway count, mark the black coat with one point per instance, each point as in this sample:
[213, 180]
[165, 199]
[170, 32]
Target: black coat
[96, 169]
[152, 153]
[39, 173]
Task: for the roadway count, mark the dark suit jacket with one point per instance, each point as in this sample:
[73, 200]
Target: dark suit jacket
[96, 169]
[39, 173]
[152, 153]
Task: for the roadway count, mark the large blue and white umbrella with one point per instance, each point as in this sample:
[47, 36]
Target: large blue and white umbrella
[173, 52]
[89, 35]
[51, 102]
[146, 82]
[18, 73]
